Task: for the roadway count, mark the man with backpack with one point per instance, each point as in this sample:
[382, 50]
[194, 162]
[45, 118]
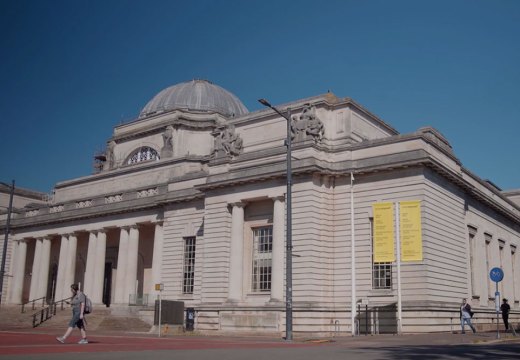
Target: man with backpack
[78, 303]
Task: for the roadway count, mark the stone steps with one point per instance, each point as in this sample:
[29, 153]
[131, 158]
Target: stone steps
[101, 319]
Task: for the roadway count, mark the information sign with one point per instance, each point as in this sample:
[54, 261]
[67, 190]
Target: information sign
[384, 233]
[496, 274]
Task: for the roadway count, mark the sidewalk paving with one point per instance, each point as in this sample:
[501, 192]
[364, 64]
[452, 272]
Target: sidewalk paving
[420, 339]
[39, 345]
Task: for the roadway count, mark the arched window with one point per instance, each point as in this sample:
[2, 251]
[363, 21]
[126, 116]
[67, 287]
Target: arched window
[144, 153]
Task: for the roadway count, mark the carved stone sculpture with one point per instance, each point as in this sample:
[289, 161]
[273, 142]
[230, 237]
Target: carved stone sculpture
[307, 125]
[110, 156]
[167, 149]
[227, 142]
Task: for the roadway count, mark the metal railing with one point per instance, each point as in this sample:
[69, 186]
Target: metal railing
[33, 303]
[43, 315]
[47, 312]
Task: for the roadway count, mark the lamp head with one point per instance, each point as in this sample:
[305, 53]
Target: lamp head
[264, 102]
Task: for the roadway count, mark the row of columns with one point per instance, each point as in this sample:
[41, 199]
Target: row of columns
[236, 279]
[127, 265]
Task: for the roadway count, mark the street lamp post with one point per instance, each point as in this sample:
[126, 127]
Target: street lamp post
[288, 253]
[6, 238]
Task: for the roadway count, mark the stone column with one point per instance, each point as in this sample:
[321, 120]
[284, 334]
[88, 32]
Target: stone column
[277, 260]
[45, 261]
[131, 266]
[236, 267]
[158, 240]
[122, 259]
[91, 263]
[62, 268]
[33, 292]
[99, 267]
[70, 274]
[19, 272]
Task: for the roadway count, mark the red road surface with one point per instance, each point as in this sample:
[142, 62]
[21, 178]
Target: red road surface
[13, 343]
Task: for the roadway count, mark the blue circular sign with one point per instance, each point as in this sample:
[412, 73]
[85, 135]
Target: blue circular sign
[496, 274]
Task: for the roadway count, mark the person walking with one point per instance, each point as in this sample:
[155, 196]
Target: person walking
[465, 316]
[78, 315]
[505, 308]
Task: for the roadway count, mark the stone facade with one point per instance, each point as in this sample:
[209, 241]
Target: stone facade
[195, 200]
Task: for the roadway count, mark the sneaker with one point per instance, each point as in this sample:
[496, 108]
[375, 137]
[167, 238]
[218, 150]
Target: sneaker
[83, 341]
[60, 339]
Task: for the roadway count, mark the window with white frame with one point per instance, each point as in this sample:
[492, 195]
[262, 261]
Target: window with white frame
[381, 271]
[262, 251]
[189, 265]
[382, 276]
[144, 153]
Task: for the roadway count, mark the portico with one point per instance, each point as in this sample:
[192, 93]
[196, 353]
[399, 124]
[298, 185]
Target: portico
[89, 271]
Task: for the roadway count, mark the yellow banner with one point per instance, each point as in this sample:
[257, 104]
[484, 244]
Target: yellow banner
[410, 229]
[384, 233]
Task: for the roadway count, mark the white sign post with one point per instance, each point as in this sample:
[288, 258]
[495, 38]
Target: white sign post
[497, 275]
[160, 288]
[398, 250]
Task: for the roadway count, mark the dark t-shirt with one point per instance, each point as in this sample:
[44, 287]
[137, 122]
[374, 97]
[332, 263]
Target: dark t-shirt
[505, 308]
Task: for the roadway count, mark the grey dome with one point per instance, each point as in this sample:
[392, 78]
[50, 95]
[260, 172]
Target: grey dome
[197, 95]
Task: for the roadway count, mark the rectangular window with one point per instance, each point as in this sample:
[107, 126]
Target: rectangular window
[381, 271]
[472, 232]
[513, 272]
[382, 276]
[488, 268]
[262, 256]
[189, 265]
[501, 245]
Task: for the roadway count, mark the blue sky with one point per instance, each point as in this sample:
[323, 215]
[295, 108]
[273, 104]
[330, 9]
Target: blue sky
[71, 70]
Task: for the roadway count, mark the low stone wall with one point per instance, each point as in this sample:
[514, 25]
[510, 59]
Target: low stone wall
[323, 323]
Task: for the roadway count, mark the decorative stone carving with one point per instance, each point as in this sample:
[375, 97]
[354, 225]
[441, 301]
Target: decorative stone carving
[83, 204]
[167, 149]
[110, 156]
[32, 212]
[56, 209]
[113, 198]
[227, 142]
[147, 192]
[307, 125]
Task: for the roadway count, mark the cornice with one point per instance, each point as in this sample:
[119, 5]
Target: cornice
[134, 168]
[103, 210]
[327, 100]
[178, 119]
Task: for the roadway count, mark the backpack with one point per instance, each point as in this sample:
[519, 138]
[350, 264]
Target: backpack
[88, 306]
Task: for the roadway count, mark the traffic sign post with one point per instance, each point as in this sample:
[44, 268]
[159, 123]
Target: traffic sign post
[497, 275]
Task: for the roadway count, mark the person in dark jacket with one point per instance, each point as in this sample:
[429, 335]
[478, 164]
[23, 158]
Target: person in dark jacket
[465, 316]
[505, 308]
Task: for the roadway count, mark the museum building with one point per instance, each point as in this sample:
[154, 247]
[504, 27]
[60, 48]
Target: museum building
[192, 195]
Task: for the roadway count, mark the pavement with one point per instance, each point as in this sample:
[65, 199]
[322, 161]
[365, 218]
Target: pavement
[19, 341]
[32, 345]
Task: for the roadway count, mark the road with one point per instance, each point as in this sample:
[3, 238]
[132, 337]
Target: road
[37, 346]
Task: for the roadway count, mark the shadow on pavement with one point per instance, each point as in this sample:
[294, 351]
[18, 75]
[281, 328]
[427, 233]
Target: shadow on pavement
[493, 351]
